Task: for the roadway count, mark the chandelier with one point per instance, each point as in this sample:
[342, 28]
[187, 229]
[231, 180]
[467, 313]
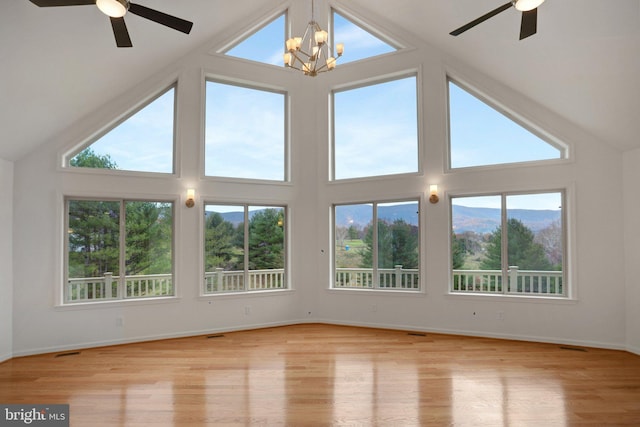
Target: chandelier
[310, 53]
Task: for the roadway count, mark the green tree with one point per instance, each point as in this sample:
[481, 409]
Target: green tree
[148, 238]
[93, 227]
[87, 158]
[353, 233]
[458, 252]
[94, 230]
[397, 245]
[522, 249]
[266, 240]
[221, 251]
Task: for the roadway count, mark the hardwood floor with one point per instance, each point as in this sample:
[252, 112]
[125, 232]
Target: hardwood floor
[321, 375]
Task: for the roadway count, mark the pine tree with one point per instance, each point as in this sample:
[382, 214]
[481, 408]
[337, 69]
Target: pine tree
[266, 240]
[522, 250]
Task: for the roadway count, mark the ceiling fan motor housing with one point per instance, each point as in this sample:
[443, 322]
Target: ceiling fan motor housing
[113, 8]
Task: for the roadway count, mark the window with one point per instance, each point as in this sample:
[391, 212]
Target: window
[143, 142]
[118, 249]
[359, 43]
[376, 129]
[384, 256]
[265, 45]
[509, 244]
[245, 132]
[244, 248]
[481, 135]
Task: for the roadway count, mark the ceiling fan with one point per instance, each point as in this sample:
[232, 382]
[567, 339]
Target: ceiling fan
[529, 9]
[116, 9]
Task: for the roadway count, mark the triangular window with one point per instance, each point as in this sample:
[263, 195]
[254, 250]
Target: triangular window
[141, 142]
[358, 42]
[481, 135]
[266, 45]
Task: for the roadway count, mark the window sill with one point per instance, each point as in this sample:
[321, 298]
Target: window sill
[116, 303]
[513, 298]
[372, 291]
[262, 293]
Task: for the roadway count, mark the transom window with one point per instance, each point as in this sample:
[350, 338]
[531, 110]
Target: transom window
[141, 142]
[377, 245]
[244, 248]
[118, 249]
[481, 134]
[376, 129]
[264, 45]
[245, 132]
[359, 43]
[509, 244]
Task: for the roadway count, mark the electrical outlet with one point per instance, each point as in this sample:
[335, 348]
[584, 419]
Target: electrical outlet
[120, 321]
[247, 310]
[501, 315]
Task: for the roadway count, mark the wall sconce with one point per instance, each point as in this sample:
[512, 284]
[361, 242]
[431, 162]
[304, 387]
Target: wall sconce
[433, 193]
[191, 198]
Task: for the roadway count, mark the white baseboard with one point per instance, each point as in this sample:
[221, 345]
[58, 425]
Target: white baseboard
[103, 343]
[530, 338]
[634, 350]
[131, 340]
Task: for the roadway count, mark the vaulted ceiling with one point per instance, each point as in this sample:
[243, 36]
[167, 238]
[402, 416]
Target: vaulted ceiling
[59, 64]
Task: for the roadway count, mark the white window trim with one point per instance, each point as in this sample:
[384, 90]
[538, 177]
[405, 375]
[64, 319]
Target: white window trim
[376, 288]
[287, 242]
[569, 245]
[60, 302]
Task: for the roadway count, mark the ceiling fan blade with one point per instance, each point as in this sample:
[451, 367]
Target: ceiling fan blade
[161, 18]
[480, 20]
[529, 24]
[120, 32]
[52, 3]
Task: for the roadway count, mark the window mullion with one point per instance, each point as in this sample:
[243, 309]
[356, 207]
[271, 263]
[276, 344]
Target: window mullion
[376, 278]
[246, 248]
[504, 250]
[122, 281]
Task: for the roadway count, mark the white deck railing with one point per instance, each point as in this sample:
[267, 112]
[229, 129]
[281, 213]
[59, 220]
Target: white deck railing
[233, 281]
[107, 287]
[520, 282]
[397, 278]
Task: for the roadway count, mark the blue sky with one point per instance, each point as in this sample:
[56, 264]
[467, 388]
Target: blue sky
[541, 201]
[376, 126]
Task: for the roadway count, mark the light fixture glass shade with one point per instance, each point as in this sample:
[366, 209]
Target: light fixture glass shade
[112, 8]
[527, 5]
[311, 53]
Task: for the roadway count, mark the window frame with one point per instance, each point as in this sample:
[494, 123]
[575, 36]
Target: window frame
[68, 155]
[568, 291]
[509, 113]
[286, 285]
[121, 286]
[375, 287]
[286, 149]
[415, 74]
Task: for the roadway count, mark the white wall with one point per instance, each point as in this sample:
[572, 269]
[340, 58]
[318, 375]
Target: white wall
[6, 260]
[593, 177]
[632, 249]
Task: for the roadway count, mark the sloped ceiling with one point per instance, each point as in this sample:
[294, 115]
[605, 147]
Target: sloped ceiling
[59, 64]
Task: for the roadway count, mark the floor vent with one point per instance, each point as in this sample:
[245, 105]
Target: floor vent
[215, 336]
[417, 334]
[71, 353]
[573, 349]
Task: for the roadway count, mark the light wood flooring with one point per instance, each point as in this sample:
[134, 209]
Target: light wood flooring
[325, 375]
